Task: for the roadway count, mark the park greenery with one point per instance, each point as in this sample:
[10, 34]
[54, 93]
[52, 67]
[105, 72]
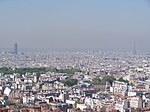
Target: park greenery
[86, 81]
[122, 80]
[109, 79]
[70, 82]
[96, 80]
[8, 70]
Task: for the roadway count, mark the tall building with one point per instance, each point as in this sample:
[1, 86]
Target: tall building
[15, 48]
[134, 49]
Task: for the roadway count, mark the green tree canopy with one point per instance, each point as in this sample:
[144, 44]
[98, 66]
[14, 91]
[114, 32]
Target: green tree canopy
[70, 82]
[110, 79]
[7, 70]
[96, 80]
[122, 80]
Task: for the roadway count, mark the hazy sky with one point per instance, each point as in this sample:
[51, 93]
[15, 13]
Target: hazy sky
[75, 24]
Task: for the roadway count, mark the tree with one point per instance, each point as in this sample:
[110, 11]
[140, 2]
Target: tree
[122, 80]
[70, 82]
[86, 81]
[96, 80]
[110, 79]
[7, 70]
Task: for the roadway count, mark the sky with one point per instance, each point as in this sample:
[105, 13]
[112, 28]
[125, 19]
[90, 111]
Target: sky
[75, 24]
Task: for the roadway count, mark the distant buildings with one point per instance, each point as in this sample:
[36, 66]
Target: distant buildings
[46, 92]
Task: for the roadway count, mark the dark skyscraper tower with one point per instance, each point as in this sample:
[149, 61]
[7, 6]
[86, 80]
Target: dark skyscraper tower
[15, 48]
[134, 49]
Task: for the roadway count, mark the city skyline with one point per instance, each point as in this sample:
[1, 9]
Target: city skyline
[104, 25]
[74, 56]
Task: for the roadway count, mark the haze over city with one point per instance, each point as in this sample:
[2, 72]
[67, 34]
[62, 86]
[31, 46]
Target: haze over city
[75, 24]
[103, 66]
